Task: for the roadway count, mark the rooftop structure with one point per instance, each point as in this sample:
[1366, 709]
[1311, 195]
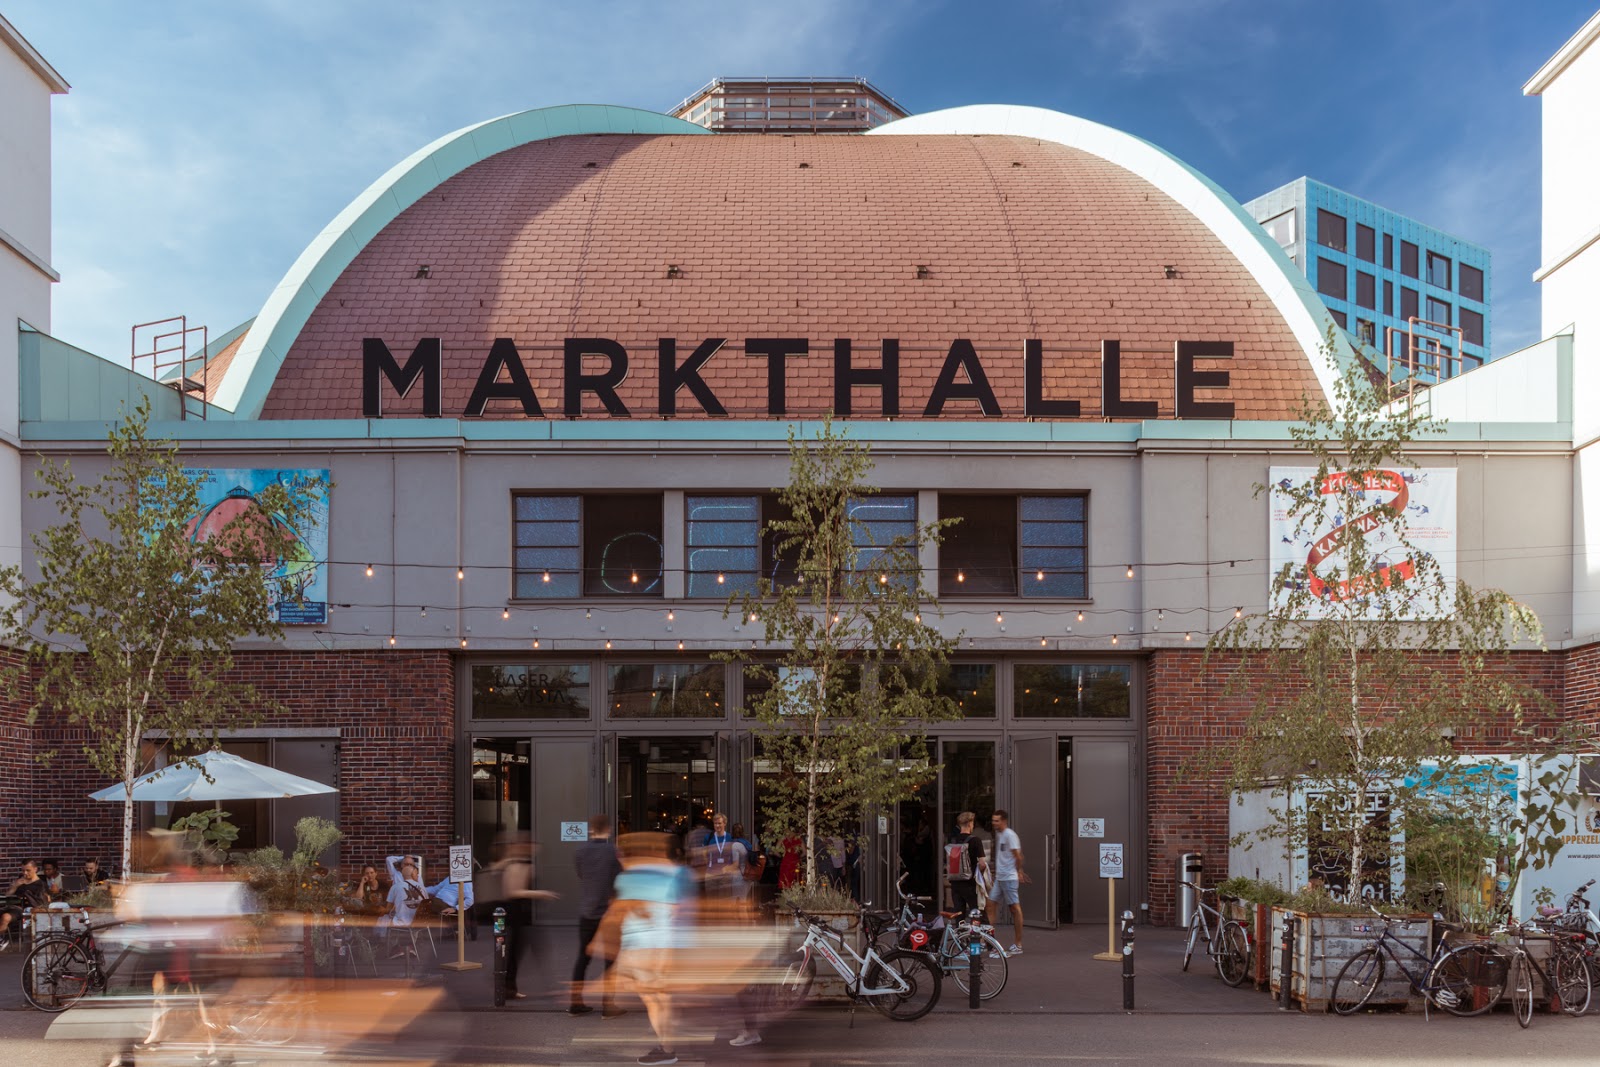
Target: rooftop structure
[789, 105]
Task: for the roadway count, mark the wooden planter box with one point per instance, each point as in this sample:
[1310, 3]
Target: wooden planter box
[829, 986]
[1257, 918]
[1325, 943]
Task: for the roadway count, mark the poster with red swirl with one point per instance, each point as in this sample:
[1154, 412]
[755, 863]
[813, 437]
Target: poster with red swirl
[1318, 553]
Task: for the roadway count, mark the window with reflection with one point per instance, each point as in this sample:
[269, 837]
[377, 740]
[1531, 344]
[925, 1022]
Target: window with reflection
[759, 680]
[1072, 690]
[666, 690]
[729, 550]
[877, 523]
[597, 545]
[971, 686]
[530, 691]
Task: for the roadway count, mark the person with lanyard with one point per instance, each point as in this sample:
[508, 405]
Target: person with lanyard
[725, 857]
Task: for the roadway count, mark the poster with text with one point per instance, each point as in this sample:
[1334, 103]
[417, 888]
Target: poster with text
[301, 574]
[1316, 555]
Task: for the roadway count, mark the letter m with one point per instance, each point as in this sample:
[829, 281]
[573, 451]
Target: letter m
[426, 362]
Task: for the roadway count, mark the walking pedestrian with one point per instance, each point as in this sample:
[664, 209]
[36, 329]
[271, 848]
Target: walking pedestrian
[508, 883]
[598, 867]
[1008, 874]
[965, 874]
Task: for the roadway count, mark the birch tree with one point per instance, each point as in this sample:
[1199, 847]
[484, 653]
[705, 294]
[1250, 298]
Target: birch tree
[126, 621]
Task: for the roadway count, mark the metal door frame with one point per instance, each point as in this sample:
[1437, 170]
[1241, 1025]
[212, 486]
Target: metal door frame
[1051, 865]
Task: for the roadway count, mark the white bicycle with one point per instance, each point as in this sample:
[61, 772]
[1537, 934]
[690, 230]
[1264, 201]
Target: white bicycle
[902, 985]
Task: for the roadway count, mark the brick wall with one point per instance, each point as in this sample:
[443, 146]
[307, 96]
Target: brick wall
[395, 713]
[1581, 692]
[1188, 712]
[16, 774]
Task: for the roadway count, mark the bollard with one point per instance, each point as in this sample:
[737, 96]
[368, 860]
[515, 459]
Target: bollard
[974, 969]
[341, 943]
[499, 957]
[1286, 964]
[1127, 961]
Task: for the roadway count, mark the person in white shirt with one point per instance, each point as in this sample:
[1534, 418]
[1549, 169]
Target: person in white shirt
[1008, 874]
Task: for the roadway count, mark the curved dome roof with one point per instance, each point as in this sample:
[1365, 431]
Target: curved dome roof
[1028, 225]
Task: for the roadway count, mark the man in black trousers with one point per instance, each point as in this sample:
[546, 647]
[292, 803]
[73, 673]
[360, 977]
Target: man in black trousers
[598, 867]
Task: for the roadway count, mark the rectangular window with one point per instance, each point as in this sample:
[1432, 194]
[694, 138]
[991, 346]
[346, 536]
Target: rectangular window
[1471, 326]
[1438, 270]
[1366, 241]
[1388, 251]
[1408, 259]
[1007, 546]
[1281, 229]
[1408, 303]
[878, 524]
[1332, 230]
[1439, 312]
[723, 538]
[566, 546]
[530, 691]
[1340, 317]
[1471, 279]
[666, 690]
[1072, 691]
[757, 683]
[1332, 280]
[1388, 298]
[1367, 332]
[971, 686]
[1366, 290]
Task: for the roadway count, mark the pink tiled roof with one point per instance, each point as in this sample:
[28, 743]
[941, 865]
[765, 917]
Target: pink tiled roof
[796, 236]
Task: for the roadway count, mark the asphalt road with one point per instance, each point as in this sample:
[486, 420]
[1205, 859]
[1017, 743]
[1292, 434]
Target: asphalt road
[825, 1035]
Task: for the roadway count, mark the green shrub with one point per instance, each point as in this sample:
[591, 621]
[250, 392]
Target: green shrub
[1253, 890]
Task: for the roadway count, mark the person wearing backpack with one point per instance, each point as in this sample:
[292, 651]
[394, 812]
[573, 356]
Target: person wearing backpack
[963, 862]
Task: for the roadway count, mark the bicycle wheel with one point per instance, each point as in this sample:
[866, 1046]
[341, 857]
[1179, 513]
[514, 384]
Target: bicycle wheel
[1522, 990]
[1468, 980]
[793, 985]
[56, 974]
[1360, 975]
[1233, 957]
[919, 974]
[995, 967]
[1571, 974]
[1196, 923]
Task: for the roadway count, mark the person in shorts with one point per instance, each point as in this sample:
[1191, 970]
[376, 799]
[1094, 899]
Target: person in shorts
[1008, 875]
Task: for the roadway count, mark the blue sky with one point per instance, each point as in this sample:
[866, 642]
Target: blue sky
[204, 144]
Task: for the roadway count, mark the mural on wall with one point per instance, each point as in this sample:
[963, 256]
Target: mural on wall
[1427, 497]
[301, 573]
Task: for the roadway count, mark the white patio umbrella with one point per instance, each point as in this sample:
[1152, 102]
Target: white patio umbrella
[231, 778]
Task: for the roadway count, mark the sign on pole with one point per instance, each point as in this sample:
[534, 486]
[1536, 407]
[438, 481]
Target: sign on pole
[1110, 861]
[461, 863]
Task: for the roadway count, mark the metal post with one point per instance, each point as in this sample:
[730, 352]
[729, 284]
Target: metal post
[1286, 963]
[499, 957]
[974, 968]
[1127, 961]
[341, 945]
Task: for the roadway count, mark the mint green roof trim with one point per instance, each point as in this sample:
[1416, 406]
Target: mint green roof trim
[255, 366]
[1288, 289]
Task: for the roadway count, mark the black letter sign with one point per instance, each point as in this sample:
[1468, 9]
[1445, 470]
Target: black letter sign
[1034, 405]
[503, 355]
[886, 377]
[576, 383]
[1189, 379]
[673, 377]
[1111, 403]
[947, 388]
[777, 350]
[426, 362]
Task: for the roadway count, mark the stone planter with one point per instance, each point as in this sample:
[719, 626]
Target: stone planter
[1325, 943]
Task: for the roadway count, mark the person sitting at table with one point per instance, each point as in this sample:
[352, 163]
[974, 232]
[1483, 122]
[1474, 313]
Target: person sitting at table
[55, 886]
[370, 894]
[406, 895]
[27, 892]
[92, 873]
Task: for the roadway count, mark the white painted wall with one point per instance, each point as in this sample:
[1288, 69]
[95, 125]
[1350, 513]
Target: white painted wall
[24, 287]
[1525, 386]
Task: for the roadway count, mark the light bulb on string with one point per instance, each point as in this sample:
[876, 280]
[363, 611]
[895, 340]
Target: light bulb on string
[1238, 613]
[919, 618]
[883, 579]
[586, 613]
[999, 618]
[1188, 636]
[391, 640]
[463, 642]
[961, 576]
[1042, 642]
[423, 614]
[369, 570]
[547, 576]
[634, 577]
[671, 615]
[720, 577]
[1080, 615]
[505, 612]
[608, 643]
[1130, 570]
[754, 617]
[461, 574]
[680, 646]
[1039, 576]
[535, 642]
[1113, 639]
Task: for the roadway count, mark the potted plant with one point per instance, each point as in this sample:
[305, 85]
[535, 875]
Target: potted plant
[1250, 901]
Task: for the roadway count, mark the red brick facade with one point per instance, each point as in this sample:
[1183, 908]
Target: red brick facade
[16, 776]
[1187, 711]
[395, 713]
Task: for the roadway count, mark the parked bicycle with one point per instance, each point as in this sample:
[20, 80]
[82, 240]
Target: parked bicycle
[1227, 941]
[948, 935]
[900, 984]
[64, 967]
[1567, 977]
[1464, 980]
[1578, 917]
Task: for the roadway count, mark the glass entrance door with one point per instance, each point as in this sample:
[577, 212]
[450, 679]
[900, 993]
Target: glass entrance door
[665, 784]
[502, 785]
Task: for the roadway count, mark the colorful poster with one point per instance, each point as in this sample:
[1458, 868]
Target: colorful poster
[1427, 498]
[302, 573]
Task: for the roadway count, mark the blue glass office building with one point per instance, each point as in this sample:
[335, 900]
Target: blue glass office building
[1377, 270]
